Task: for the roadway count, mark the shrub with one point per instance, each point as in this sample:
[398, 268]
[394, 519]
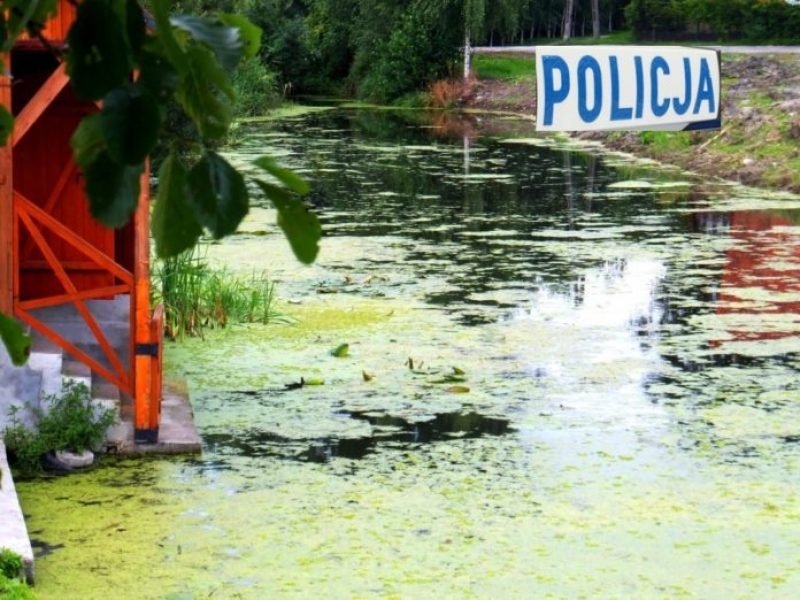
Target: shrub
[70, 422]
[10, 564]
[12, 573]
[256, 88]
[449, 93]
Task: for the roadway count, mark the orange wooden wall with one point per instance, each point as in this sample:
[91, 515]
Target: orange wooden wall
[55, 30]
[40, 160]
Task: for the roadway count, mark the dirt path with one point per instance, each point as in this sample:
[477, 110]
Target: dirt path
[759, 143]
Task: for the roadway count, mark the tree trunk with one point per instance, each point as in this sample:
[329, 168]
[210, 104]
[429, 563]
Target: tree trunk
[595, 19]
[566, 30]
[467, 55]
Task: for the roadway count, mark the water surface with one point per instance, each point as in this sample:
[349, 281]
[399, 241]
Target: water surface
[582, 383]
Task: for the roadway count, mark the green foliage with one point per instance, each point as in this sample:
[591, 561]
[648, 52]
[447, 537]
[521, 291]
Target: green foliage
[185, 59]
[197, 297]
[256, 89]
[16, 341]
[417, 52]
[648, 17]
[69, 421]
[755, 20]
[14, 589]
[11, 565]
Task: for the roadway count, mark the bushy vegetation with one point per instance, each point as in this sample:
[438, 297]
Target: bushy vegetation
[14, 589]
[69, 421]
[12, 585]
[752, 20]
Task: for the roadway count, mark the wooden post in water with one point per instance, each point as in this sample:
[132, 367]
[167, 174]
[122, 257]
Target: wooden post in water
[146, 417]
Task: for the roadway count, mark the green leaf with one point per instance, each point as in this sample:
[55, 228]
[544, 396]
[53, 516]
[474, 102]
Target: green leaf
[22, 13]
[6, 125]
[341, 350]
[224, 40]
[218, 194]
[156, 73]
[458, 389]
[3, 34]
[249, 34]
[16, 341]
[287, 177]
[175, 227]
[200, 85]
[165, 33]
[112, 189]
[130, 121]
[87, 141]
[299, 224]
[135, 26]
[98, 58]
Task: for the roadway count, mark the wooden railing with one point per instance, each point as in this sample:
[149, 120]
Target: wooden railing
[36, 221]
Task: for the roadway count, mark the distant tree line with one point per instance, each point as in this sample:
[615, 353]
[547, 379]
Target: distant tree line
[751, 20]
[381, 50]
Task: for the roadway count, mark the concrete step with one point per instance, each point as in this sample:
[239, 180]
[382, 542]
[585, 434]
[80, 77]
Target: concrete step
[77, 371]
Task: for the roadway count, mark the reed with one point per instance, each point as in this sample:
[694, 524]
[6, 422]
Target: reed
[197, 296]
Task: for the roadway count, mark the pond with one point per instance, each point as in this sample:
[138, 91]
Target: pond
[568, 376]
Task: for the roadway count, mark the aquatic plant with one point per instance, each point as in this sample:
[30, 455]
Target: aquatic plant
[197, 296]
[71, 421]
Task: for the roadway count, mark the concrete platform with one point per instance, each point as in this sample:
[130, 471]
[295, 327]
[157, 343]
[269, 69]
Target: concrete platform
[177, 433]
[13, 533]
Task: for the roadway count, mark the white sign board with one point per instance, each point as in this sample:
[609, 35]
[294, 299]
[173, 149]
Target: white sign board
[591, 88]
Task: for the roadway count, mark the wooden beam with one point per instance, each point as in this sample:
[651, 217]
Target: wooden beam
[146, 408]
[6, 206]
[121, 382]
[67, 298]
[70, 289]
[69, 236]
[38, 104]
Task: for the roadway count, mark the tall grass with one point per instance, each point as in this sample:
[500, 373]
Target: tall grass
[197, 296]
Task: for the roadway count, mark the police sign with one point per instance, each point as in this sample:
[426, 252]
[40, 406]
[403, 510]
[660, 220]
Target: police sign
[589, 88]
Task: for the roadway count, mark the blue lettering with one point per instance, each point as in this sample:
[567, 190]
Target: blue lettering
[588, 63]
[659, 108]
[618, 113]
[705, 89]
[637, 61]
[553, 96]
[682, 107]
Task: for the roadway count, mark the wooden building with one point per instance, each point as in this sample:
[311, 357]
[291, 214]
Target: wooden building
[52, 252]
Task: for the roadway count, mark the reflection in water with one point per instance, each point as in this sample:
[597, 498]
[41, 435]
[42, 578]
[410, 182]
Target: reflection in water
[388, 432]
[762, 270]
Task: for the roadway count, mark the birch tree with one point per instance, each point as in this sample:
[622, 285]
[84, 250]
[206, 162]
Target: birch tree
[566, 29]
